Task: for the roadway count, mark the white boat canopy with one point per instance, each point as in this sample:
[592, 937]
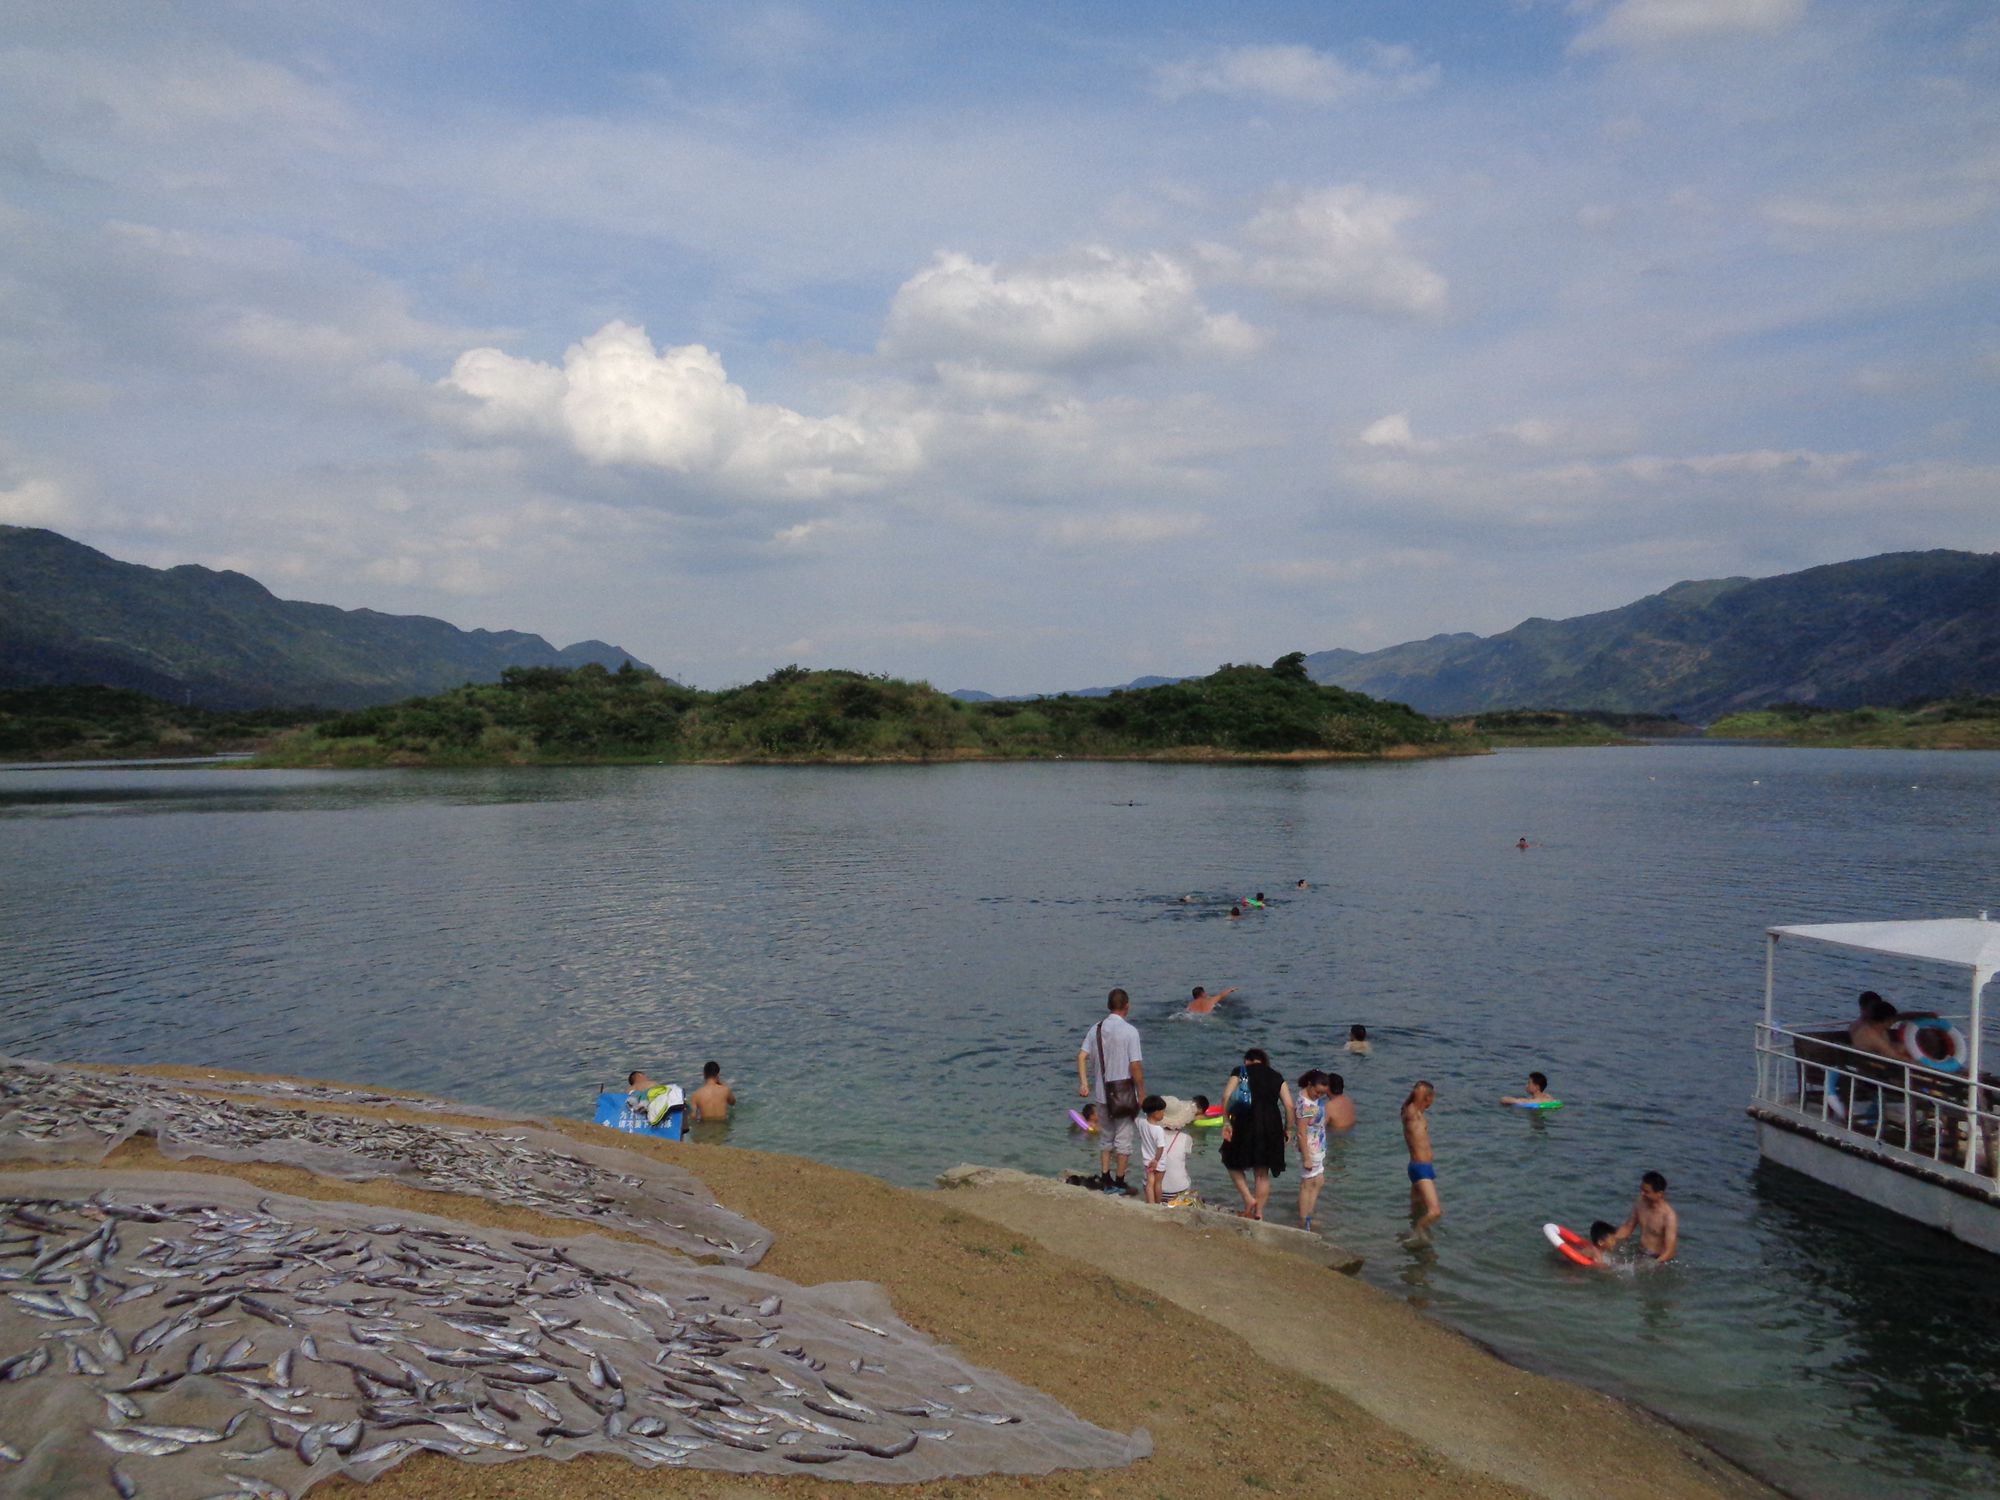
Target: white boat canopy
[1963, 942]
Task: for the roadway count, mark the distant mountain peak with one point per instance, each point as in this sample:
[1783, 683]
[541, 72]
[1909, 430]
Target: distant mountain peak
[69, 614]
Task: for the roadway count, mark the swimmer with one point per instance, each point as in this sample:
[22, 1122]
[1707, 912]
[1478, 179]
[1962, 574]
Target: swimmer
[1658, 1225]
[1187, 901]
[1088, 1114]
[1200, 1105]
[1426, 1208]
[1357, 1040]
[1203, 1002]
[1538, 1090]
[1339, 1108]
[1522, 845]
[1302, 886]
[1256, 900]
[1235, 912]
[1603, 1240]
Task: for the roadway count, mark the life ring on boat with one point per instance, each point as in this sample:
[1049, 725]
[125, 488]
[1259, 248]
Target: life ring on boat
[1932, 1041]
[1567, 1243]
[1081, 1123]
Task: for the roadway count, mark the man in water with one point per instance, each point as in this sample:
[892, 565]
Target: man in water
[1538, 1091]
[1339, 1108]
[1658, 1225]
[1425, 1206]
[657, 1100]
[1357, 1040]
[712, 1100]
[1110, 1054]
[1203, 1002]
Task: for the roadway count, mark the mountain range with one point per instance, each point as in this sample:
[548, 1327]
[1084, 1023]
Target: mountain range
[69, 614]
[1882, 630]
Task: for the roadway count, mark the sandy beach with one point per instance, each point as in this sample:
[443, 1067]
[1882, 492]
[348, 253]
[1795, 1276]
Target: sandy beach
[1253, 1369]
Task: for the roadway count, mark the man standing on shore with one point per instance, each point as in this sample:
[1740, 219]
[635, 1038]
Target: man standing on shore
[1110, 1056]
[1658, 1225]
[1425, 1206]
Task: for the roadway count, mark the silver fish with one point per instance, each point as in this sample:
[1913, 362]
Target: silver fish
[128, 1442]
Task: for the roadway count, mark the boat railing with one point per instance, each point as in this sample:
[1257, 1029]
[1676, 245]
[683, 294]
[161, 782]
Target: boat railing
[1905, 1110]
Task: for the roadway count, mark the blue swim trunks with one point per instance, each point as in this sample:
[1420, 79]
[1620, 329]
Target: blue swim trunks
[1422, 1171]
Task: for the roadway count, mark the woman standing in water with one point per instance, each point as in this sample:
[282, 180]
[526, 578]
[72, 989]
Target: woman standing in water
[1258, 1129]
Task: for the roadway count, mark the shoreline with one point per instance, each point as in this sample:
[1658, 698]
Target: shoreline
[1250, 1365]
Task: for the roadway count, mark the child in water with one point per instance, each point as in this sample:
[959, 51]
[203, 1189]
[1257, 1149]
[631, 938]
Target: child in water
[1089, 1113]
[1603, 1240]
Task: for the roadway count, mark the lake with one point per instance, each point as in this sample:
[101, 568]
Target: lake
[896, 966]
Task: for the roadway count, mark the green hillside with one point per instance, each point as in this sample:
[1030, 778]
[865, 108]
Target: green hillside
[70, 616]
[1954, 724]
[589, 714]
[95, 723]
[1888, 629]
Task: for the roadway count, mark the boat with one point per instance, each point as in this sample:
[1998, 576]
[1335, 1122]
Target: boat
[1917, 1135]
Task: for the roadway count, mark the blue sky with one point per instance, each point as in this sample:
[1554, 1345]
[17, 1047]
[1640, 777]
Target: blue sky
[1004, 346]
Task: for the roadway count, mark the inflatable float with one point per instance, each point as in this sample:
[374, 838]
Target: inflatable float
[1211, 1119]
[616, 1109]
[1570, 1245]
[1538, 1104]
[1932, 1041]
[1081, 1123]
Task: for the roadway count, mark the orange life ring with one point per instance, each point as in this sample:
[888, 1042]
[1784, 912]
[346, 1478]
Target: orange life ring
[1567, 1243]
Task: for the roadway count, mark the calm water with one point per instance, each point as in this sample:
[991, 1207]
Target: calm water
[896, 966]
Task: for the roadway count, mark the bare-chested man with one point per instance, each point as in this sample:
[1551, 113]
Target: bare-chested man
[1203, 1002]
[1658, 1225]
[712, 1100]
[1425, 1207]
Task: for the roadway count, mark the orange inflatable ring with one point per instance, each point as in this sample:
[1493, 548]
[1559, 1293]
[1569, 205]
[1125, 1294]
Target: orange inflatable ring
[1570, 1245]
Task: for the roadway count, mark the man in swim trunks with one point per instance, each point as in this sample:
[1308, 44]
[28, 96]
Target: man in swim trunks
[1425, 1206]
[1203, 1002]
[1658, 1225]
[712, 1100]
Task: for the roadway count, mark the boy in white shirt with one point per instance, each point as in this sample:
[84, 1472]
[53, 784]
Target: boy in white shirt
[1163, 1147]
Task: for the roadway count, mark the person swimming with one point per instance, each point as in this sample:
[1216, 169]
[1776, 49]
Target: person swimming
[1538, 1091]
[1203, 1002]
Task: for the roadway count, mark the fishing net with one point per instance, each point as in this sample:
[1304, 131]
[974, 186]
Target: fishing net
[174, 1338]
[52, 1113]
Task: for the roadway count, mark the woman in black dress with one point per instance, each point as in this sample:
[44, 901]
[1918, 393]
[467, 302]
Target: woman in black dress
[1258, 1129]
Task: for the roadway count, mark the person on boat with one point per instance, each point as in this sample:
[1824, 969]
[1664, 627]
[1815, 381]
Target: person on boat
[1426, 1208]
[1339, 1107]
[656, 1100]
[1538, 1091]
[1869, 1031]
[1654, 1218]
[712, 1100]
[1203, 1002]
[1357, 1040]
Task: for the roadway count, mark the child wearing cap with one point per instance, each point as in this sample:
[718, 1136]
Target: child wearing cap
[1163, 1148]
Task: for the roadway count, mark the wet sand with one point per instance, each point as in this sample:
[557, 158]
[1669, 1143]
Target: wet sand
[1253, 1370]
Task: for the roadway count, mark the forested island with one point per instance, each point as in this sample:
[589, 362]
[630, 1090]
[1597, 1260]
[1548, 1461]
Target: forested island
[103, 723]
[545, 715]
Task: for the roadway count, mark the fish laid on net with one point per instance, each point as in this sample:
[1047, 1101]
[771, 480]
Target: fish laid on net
[171, 1344]
[52, 1113]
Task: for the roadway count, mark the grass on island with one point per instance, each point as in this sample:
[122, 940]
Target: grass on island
[544, 715]
[1948, 724]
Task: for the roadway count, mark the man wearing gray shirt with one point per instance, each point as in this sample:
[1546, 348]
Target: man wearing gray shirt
[1116, 1041]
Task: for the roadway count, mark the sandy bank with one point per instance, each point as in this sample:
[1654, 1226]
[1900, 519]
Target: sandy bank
[1254, 1370]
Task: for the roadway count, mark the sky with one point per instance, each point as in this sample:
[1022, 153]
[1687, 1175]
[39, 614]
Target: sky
[1018, 347]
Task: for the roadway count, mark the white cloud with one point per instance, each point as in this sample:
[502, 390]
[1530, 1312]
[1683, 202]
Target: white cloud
[1392, 431]
[1094, 308]
[36, 502]
[1638, 25]
[618, 401]
[1337, 246]
[1296, 75]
